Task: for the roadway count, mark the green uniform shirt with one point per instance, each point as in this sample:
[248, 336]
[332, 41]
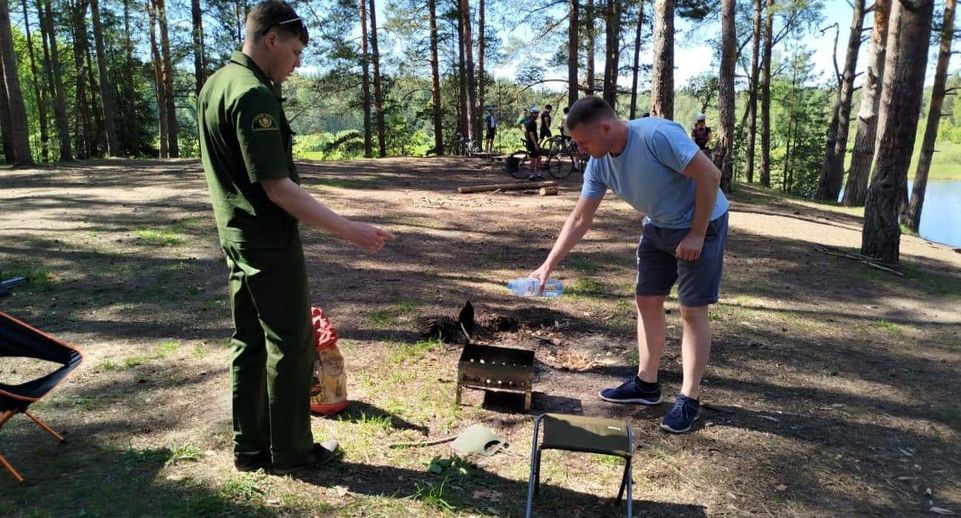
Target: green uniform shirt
[245, 139]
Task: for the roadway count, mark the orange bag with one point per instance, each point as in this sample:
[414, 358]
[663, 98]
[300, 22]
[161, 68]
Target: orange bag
[328, 392]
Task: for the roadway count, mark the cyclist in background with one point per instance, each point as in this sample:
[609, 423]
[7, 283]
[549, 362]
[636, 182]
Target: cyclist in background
[533, 147]
[490, 121]
[546, 122]
[701, 134]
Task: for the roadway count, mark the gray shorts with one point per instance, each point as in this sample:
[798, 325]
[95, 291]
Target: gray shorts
[658, 268]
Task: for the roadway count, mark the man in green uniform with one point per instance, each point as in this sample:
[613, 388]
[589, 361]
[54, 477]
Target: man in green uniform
[245, 142]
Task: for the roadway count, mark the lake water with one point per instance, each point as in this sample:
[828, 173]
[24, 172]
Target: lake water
[941, 214]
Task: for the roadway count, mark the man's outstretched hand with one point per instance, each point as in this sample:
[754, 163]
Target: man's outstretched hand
[541, 274]
[367, 236]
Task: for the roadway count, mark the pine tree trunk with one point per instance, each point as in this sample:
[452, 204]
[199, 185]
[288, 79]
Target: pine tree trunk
[612, 50]
[54, 80]
[480, 70]
[725, 141]
[6, 125]
[378, 91]
[591, 37]
[106, 88]
[20, 129]
[435, 82]
[158, 81]
[912, 216]
[84, 127]
[38, 93]
[132, 133]
[862, 156]
[753, 89]
[901, 93]
[461, 80]
[467, 42]
[365, 79]
[832, 168]
[572, 51]
[97, 138]
[173, 127]
[200, 63]
[765, 95]
[637, 58]
[662, 75]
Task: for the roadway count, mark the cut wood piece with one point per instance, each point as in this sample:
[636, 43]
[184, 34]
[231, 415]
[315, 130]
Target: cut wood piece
[516, 186]
[548, 191]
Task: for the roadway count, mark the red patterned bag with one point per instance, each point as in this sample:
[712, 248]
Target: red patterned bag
[328, 392]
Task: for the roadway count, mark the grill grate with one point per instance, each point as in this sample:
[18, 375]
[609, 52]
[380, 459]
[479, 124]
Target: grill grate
[494, 368]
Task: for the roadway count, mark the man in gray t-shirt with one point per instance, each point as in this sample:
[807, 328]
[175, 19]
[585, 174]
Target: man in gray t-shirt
[654, 166]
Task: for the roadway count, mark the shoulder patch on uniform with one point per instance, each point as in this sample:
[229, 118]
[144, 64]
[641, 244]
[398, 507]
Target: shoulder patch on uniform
[264, 122]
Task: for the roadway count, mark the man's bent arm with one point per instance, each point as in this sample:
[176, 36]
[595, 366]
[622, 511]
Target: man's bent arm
[707, 178]
[301, 205]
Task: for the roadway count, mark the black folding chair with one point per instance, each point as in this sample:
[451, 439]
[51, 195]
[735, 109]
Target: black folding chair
[18, 339]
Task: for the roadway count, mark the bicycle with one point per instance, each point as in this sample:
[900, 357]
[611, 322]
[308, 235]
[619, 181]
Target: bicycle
[463, 146]
[559, 160]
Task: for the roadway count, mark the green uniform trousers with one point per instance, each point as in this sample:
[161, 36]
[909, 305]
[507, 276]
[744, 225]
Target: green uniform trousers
[273, 356]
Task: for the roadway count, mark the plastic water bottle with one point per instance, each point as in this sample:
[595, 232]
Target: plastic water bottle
[528, 287]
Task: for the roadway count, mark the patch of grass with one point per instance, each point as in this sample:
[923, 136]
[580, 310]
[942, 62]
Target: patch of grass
[393, 315]
[183, 453]
[245, 486]
[382, 422]
[585, 287]
[199, 350]
[714, 314]
[145, 456]
[109, 366]
[135, 361]
[887, 326]
[168, 347]
[38, 276]
[432, 495]
[159, 236]
[404, 353]
[583, 264]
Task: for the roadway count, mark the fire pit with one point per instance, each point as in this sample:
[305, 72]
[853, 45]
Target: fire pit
[500, 369]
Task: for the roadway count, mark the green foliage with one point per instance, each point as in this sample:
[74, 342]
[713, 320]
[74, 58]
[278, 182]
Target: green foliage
[799, 123]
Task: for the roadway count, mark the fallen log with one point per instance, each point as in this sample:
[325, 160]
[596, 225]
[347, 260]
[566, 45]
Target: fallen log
[548, 191]
[516, 186]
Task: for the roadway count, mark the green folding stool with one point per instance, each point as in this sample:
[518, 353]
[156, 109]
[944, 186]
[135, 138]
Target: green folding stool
[583, 434]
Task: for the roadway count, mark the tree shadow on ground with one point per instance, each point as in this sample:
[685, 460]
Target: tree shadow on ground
[471, 493]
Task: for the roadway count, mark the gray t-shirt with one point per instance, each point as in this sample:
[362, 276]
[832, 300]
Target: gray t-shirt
[647, 174]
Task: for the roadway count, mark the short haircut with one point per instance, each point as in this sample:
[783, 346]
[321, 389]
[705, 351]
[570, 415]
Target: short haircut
[275, 15]
[548, 107]
[588, 110]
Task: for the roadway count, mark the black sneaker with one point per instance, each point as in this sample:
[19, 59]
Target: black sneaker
[535, 177]
[681, 418]
[321, 454]
[252, 461]
[633, 391]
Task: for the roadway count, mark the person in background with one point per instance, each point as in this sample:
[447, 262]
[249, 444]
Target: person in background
[701, 134]
[563, 127]
[546, 122]
[490, 121]
[532, 143]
